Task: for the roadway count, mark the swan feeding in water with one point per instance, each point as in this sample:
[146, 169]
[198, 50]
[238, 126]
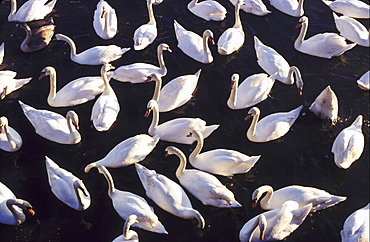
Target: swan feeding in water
[325, 105]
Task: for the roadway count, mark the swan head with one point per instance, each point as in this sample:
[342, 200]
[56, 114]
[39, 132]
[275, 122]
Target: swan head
[195, 133]
[3, 123]
[60, 37]
[170, 150]
[72, 115]
[152, 104]
[256, 195]
[209, 34]
[47, 71]
[127, 233]
[252, 112]
[24, 205]
[163, 47]
[234, 80]
[301, 21]
[153, 77]
[105, 68]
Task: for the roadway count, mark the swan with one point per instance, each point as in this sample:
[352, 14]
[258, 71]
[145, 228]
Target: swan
[291, 7]
[350, 8]
[319, 199]
[53, 126]
[75, 92]
[324, 45]
[11, 208]
[146, 33]
[106, 108]
[67, 187]
[193, 45]
[105, 21]
[176, 130]
[276, 224]
[37, 39]
[30, 10]
[138, 72]
[356, 226]
[128, 203]
[232, 39]
[96, 55]
[10, 140]
[352, 30]
[2, 52]
[222, 162]
[349, 144]
[128, 235]
[208, 10]
[256, 7]
[9, 84]
[204, 186]
[271, 127]
[363, 82]
[176, 92]
[325, 105]
[127, 152]
[167, 194]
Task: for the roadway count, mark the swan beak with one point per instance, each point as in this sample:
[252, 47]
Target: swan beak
[1, 129]
[3, 94]
[76, 126]
[298, 25]
[42, 75]
[248, 117]
[31, 211]
[190, 134]
[212, 41]
[254, 203]
[165, 155]
[300, 91]
[262, 236]
[147, 112]
[232, 85]
[148, 79]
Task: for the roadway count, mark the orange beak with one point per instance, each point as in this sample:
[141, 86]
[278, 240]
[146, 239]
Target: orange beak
[254, 203]
[31, 211]
[147, 112]
[248, 117]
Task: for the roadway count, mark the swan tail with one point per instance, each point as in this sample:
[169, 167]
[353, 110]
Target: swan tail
[224, 198]
[328, 202]
[26, 108]
[222, 51]
[209, 129]
[124, 50]
[197, 74]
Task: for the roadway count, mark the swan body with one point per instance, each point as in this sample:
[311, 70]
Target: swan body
[8, 83]
[11, 208]
[146, 33]
[356, 226]
[2, 52]
[138, 72]
[208, 10]
[167, 194]
[275, 224]
[128, 203]
[350, 8]
[349, 144]
[364, 82]
[106, 108]
[53, 126]
[105, 20]
[325, 105]
[37, 39]
[319, 199]
[193, 45]
[127, 152]
[30, 10]
[222, 162]
[176, 92]
[176, 130]
[67, 187]
[204, 186]
[324, 45]
[96, 55]
[232, 39]
[10, 140]
[352, 30]
[291, 7]
[272, 126]
[128, 235]
[256, 7]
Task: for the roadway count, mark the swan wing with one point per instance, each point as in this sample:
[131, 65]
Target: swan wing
[105, 111]
[145, 35]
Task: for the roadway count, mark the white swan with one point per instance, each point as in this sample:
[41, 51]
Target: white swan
[271, 127]
[364, 81]
[204, 186]
[53, 126]
[324, 45]
[176, 130]
[2, 52]
[128, 235]
[105, 20]
[193, 45]
[352, 30]
[39, 38]
[222, 162]
[256, 7]
[138, 72]
[146, 33]
[11, 208]
[128, 203]
[350, 8]
[67, 187]
[127, 152]
[106, 108]
[325, 105]
[9, 84]
[167, 194]
[232, 39]
[356, 226]
[349, 144]
[291, 7]
[30, 10]
[319, 199]
[208, 10]
[10, 140]
[176, 92]
[96, 55]
[276, 224]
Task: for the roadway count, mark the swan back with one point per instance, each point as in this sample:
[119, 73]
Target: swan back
[352, 30]
[364, 81]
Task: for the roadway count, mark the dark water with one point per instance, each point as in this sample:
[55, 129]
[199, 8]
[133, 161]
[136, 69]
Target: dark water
[301, 157]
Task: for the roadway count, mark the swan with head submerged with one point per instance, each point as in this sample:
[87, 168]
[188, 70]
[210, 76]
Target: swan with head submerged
[325, 105]
[291, 7]
[256, 7]
[176, 130]
[208, 10]
[167, 194]
[39, 38]
[193, 45]
[96, 55]
[11, 207]
[350, 8]
[319, 199]
[9, 84]
[324, 45]
[67, 187]
[105, 20]
[128, 235]
[364, 81]
[204, 186]
[30, 10]
[53, 126]
[356, 226]
[352, 30]
[222, 162]
[10, 140]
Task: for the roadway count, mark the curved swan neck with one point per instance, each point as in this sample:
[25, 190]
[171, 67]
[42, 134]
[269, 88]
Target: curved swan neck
[10, 137]
[19, 216]
[53, 86]
[252, 128]
[205, 45]
[300, 7]
[157, 89]
[302, 34]
[238, 23]
[266, 199]
[199, 146]
[150, 11]
[247, 235]
[155, 120]
[127, 233]
[233, 93]
[181, 168]
[72, 127]
[108, 177]
[71, 44]
[13, 10]
[189, 213]
[80, 192]
[26, 41]
[161, 61]
[107, 87]
[298, 77]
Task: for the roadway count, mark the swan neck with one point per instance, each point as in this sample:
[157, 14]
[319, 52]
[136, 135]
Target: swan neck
[26, 41]
[106, 21]
[162, 65]
[233, 95]
[181, 168]
[13, 9]
[247, 235]
[205, 45]
[10, 137]
[298, 77]
[300, 7]
[72, 130]
[53, 87]
[155, 120]
[78, 195]
[302, 34]
[107, 87]
[151, 13]
[252, 128]
[238, 23]
[198, 148]
[266, 199]
[157, 89]
[189, 213]
[72, 45]
[18, 216]
[108, 177]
